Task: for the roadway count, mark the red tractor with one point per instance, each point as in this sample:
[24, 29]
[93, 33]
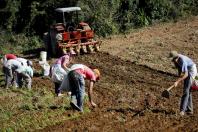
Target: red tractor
[70, 37]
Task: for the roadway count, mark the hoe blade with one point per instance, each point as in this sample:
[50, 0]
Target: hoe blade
[166, 94]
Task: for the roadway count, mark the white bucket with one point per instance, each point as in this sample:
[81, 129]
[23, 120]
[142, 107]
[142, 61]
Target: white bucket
[43, 56]
[45, 68]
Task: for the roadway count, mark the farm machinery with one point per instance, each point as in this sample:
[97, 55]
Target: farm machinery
[69, 36]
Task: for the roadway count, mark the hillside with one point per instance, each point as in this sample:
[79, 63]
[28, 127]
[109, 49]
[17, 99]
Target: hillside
[135, 70]
[151, 45]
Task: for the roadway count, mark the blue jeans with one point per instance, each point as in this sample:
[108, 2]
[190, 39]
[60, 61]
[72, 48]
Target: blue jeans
[77, 85]
[186, 99]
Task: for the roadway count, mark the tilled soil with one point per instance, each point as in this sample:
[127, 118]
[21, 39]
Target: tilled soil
[129, 98]
[135, 70]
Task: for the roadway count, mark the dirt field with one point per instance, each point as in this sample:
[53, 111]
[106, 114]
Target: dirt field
[135, 70]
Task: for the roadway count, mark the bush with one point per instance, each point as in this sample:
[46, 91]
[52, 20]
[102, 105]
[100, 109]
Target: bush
[106, 17]
[17, 43]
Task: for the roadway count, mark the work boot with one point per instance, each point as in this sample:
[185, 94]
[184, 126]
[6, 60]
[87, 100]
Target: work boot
[69, 93]
[60, 94]
[189, 112]
[181, 113]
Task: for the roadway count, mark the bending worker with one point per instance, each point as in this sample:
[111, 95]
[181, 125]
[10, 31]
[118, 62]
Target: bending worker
[4, 60]
[187, 71]
[10, 72]
[77, 84]
[25, 75]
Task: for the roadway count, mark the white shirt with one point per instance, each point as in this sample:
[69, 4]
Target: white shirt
[22, 60]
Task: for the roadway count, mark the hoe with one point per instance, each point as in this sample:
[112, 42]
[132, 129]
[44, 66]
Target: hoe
[166, 93]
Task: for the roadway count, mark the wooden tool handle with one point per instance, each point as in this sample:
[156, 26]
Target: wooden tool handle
[170, 88]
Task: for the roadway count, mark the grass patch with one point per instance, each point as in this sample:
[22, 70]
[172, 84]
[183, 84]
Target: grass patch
[22, 110]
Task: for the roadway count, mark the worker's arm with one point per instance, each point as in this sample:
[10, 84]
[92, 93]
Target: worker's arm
[90, 92]
[179, 72]
[181, 78]
[67, 60]
[64, 65]
[178, 68]
[31, 73]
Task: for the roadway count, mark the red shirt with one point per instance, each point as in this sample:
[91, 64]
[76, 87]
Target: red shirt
[10, 56]
[87, 73]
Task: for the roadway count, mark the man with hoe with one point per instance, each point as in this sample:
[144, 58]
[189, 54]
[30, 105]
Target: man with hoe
[187, 71]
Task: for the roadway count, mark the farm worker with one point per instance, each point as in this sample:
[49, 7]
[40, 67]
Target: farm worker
[8, 57]
[187, 71]
[77, 84]
[24, 76]
[10, 67]
[58, 70]
[25, 73]
[5, 58]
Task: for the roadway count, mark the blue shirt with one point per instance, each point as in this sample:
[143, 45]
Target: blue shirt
[25, 69]
[185, 63]
[29, 71]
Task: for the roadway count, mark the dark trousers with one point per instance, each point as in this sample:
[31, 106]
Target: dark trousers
[57, 90]
[77, 85]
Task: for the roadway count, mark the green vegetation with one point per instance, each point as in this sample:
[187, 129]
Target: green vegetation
[106, 17]
[21, 109]
[18, 43]
[22, 25]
